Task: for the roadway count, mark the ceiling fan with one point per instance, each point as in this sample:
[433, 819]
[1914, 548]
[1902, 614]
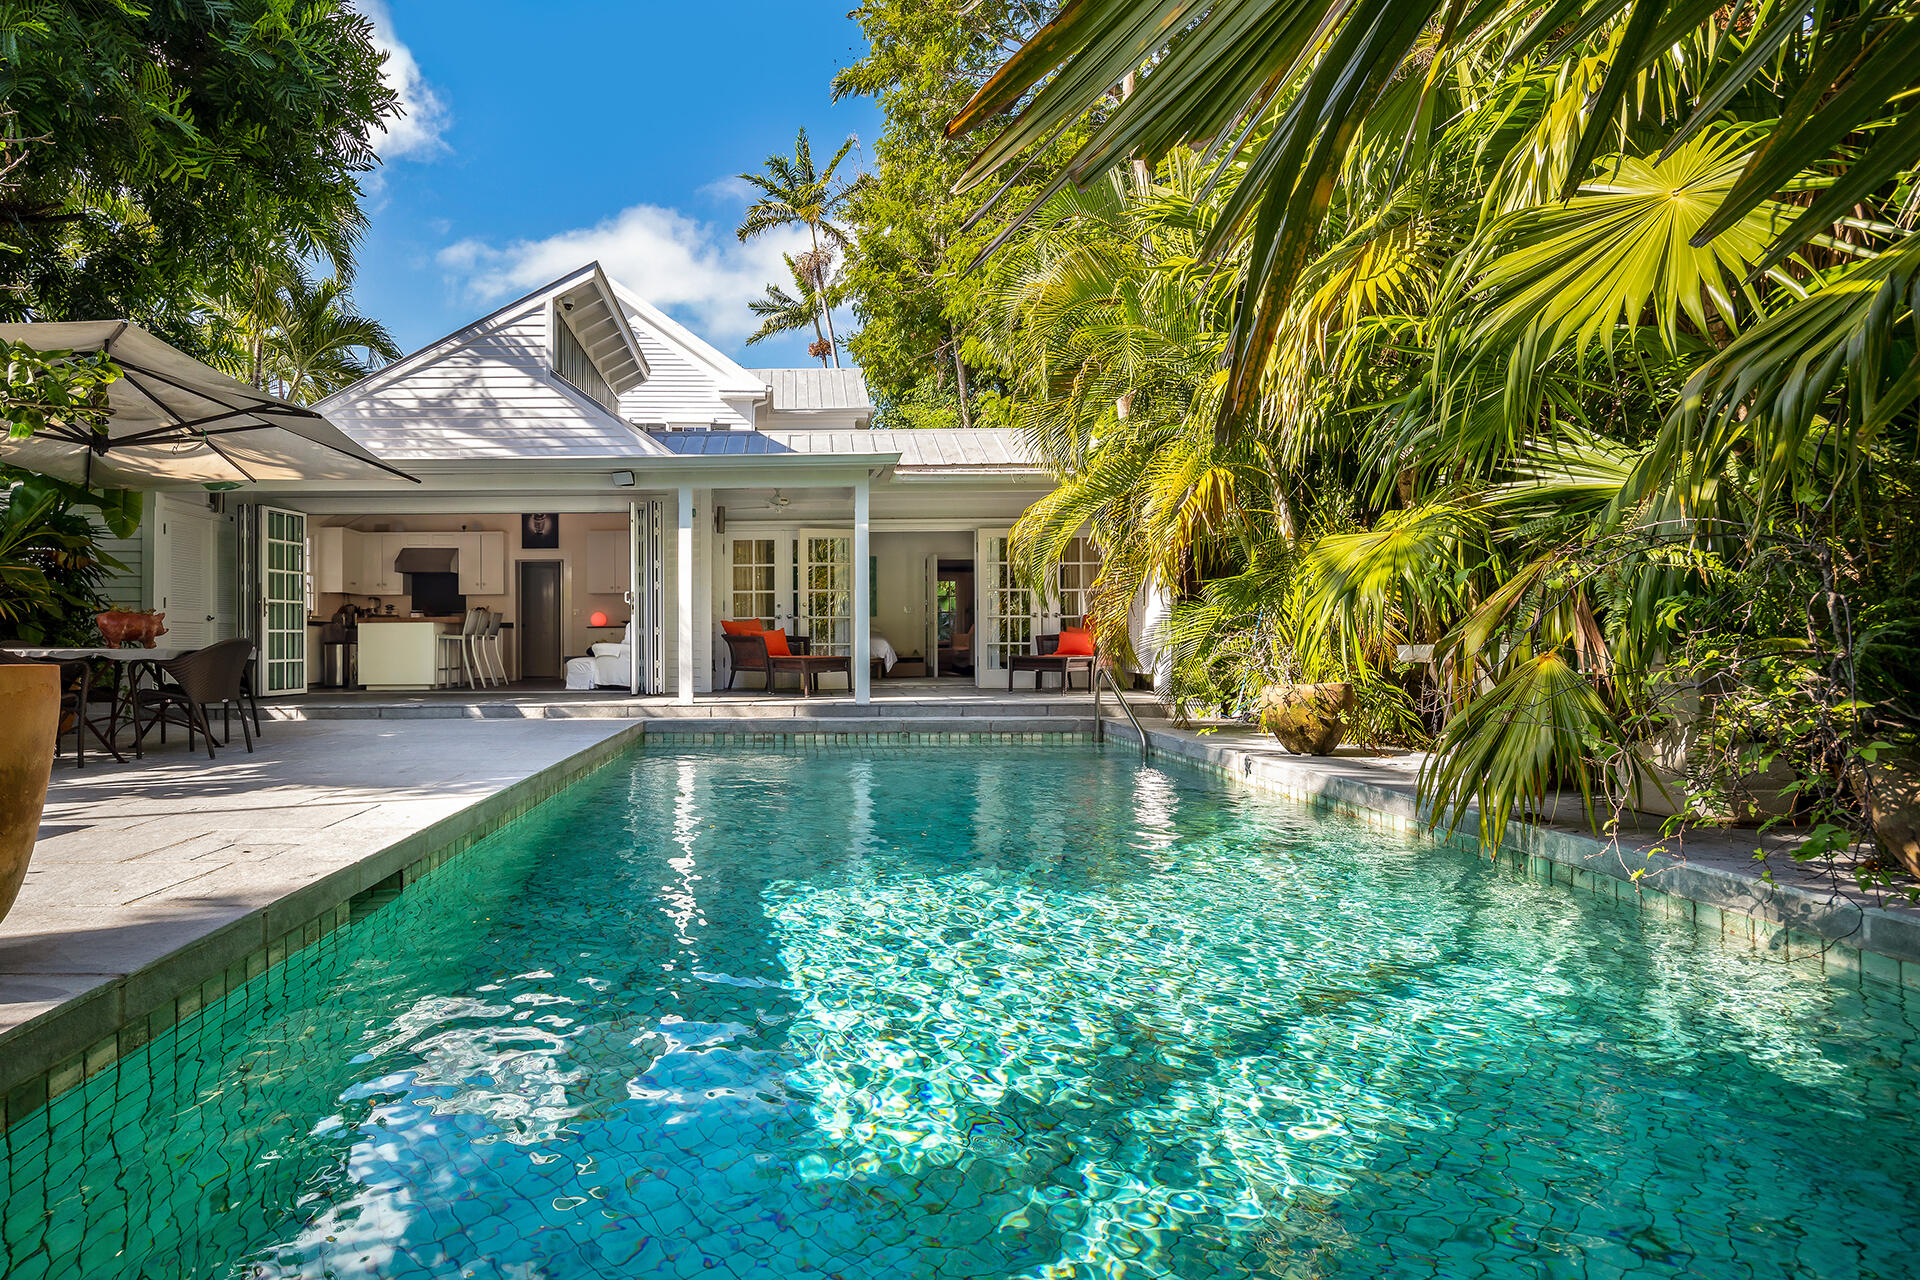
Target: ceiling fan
[778, 501]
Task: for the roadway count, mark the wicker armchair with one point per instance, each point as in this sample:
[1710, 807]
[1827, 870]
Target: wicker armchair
[749, 653]
[209, 677]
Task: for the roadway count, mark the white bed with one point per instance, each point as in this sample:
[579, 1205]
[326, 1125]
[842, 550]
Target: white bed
[607, 666]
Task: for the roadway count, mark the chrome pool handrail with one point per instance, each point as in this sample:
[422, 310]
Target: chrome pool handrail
[1102, 672]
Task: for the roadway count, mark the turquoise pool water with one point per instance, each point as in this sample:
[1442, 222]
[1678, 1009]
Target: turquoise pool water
[1010, 1011]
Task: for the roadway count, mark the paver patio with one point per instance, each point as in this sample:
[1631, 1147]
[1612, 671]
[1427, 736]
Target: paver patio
[137, 861]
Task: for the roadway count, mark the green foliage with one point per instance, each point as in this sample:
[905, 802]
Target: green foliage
[794, 192]
[51, 564]
[917, 310]
[149, 144]
[783, 312]
[61, 389]
[1541, 349]
[286, 333]
[1336, 78]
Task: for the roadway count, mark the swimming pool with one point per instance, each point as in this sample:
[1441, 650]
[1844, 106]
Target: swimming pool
[1007, 1011]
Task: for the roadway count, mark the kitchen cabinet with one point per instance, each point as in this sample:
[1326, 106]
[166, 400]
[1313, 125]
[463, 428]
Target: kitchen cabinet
[377, 574]
[607, 552]
[337, 560]
[483, 563]
[361, 564]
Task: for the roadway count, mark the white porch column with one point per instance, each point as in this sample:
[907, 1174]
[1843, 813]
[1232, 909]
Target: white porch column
[683, 600]
[862, 622]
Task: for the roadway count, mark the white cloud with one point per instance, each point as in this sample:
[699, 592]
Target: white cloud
[731, 189]
[696, 270]
[417, 134]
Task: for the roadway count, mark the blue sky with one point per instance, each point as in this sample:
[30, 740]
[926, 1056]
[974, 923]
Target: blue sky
[541, 136]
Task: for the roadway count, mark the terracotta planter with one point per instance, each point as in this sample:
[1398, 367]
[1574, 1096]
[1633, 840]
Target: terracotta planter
[1308, 719]
[1893, 802]
[30, 708]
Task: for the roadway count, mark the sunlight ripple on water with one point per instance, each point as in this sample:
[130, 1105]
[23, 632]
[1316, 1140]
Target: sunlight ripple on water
[1018, 1011]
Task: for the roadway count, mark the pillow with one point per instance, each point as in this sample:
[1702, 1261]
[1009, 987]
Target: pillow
[1075, 642]
[745, 627]
[777, 643]
[609, 650]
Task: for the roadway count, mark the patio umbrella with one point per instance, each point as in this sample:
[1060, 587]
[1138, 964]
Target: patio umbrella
[175, 419]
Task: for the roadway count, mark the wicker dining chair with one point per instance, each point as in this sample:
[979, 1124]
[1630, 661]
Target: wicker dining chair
[211, 677]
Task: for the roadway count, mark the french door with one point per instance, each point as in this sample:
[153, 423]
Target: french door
[1008, 614]
[646, 595]
[281, 665]
[825, 595]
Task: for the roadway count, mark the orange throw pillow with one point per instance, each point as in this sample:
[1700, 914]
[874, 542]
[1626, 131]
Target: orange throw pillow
[745, 627]
[776, 643]
[1075, 642]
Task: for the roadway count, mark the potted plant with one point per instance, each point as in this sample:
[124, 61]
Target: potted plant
[1308, 719]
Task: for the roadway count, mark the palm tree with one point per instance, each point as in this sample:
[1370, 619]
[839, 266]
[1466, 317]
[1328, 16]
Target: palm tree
[292, 335]
[795, 193]
[1296, 97]
[321, 344]
[783, 312]
[1590, 368]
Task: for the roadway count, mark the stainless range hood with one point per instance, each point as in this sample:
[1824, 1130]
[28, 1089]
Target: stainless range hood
[426, 560]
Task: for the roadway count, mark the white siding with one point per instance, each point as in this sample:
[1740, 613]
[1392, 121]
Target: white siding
[130, 588]
[681, 391]
[490, 394]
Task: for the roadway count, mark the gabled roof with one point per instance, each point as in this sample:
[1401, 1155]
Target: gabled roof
[730, 379]
[489, 391]
[816, 390]
[569, 284]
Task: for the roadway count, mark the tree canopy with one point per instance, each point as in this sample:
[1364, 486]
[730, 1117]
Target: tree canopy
[152, 144]
[1547, 370]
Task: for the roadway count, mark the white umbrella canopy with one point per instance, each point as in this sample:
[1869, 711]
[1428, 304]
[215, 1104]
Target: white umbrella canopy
[177, 421]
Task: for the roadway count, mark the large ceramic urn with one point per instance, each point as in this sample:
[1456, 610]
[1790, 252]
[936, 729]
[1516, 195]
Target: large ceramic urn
[30, 710]
[1308, 719]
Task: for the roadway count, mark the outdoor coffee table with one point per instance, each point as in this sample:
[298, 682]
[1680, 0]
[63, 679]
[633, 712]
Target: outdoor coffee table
[129, 661]
[808, 666]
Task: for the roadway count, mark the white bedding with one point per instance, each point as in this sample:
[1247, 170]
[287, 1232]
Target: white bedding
[884, 651]
[605, 666]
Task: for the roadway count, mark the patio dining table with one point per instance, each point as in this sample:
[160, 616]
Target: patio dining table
[125, 686]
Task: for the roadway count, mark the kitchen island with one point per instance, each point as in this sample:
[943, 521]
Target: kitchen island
[403, 654]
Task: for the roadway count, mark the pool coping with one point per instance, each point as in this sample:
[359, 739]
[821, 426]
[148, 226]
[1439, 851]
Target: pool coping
[60, 1048]
[1790, 921]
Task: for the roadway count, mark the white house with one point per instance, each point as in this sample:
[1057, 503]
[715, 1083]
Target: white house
[683, 490]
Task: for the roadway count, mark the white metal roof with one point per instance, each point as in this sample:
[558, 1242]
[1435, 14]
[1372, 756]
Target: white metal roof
[984, 449]
[814, 390]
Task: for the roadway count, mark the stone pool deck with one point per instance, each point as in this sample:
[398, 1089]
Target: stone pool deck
[1798, 911]
[176, 874]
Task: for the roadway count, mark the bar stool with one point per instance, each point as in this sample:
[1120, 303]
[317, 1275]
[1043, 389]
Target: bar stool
[455, 650]
[488, 643]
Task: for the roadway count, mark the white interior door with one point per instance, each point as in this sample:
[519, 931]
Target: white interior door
[281, 665]
[1006, 614]
[187, 574]
[826, 589]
